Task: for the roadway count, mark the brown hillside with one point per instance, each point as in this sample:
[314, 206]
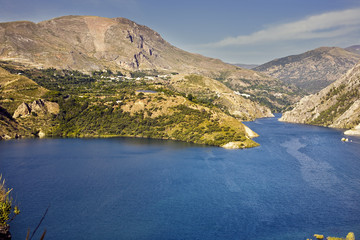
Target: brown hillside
[312, 70]
[89, 43]
[337, 105]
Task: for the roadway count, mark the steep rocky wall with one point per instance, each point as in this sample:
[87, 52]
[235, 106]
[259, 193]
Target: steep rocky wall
[337, 105]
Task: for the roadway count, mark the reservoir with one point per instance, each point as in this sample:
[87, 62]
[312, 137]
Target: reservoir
[302, 180]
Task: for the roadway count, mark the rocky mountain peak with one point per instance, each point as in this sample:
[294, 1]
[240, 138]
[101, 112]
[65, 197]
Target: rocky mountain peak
[88, 43]
[84, 43]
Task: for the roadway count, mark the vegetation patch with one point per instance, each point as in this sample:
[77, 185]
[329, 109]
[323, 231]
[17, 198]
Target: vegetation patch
[107, 104]
[344, 102]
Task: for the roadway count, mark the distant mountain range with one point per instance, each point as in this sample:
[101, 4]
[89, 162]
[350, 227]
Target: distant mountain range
[354, 49]
[247, 66]
[312, 70]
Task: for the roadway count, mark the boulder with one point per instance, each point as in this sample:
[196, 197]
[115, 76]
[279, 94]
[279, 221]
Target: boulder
[353, 132]
[43, 107]
[231, 145]
[41, 134]
[22, 111]
[52, 107]
[40, 107]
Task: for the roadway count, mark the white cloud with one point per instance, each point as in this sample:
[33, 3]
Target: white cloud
[326, 25]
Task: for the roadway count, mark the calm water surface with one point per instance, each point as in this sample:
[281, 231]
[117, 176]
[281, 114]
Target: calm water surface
[301, 180]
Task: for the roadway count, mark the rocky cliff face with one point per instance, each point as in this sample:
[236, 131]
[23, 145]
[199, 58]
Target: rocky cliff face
[38, 107]
[28, 120]
[312, 70]
[337, 105]
[8, 127]
[89, 43]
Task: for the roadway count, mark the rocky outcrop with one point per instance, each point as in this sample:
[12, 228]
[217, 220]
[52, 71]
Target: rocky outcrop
[250, 133]
[312, 70]
[232, 145]
[22, 125]
[44, 107]
[353, 132]
[337, 105]
[22, 110]
[38, 107]
[9, 128]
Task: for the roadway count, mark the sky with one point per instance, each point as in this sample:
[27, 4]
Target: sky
[235, 31]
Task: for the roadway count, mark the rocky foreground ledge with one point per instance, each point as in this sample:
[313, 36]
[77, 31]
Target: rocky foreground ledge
[353, 132]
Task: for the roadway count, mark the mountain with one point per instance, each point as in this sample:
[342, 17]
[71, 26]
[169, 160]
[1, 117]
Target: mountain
[89, 43]
[312, 70]
[337, 105]
[354, 49]
[247, 66]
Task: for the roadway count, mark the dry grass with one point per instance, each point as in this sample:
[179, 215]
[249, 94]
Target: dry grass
[3, 192]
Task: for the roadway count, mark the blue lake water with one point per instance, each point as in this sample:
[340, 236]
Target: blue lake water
[301, 180]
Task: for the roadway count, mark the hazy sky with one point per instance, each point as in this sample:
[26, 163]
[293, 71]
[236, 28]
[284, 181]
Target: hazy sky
[236, 31]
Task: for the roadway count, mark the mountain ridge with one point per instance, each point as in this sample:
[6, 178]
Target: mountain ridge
[337, 105]
[97, 35]
[312, 70]
[354, 49]
[91, 43]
